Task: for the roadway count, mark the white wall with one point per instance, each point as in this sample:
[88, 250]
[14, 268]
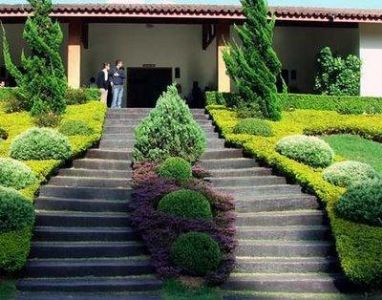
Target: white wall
[297, 48]
[163, 45]
[371, 56]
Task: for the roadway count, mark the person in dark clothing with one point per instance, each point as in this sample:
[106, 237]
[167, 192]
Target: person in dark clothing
[196, 95]
[102, 81]
[118, 77]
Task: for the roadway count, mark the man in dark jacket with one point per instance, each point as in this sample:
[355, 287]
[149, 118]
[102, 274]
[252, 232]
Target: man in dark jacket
[118, 77]
[102, 81]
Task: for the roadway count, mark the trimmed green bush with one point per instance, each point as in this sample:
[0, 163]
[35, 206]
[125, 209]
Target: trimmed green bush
[196, 252]
[253, 127]
[40, 144]
[362, 202]
[175, 168]
[306, 149]
[169, 130]
[3, 134]
[47, 120]
[16, 211]
[92, 94]
[186, 204]
[15, 174]
[346, 173]
[75, 96]
[75, 127]
[342, 104]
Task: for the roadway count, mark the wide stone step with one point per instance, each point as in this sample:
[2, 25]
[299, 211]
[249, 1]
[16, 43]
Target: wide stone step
[288, 282]
[87, 249]
[109, 154]
[266, 248]
[128, 128]
[102, 164]
[284, 218]
[96, 173]
[136, 119]
[58, 233]
[121, 266]
[84, 205]
[90, 181]
[91, 284]
[84, 219]
[230, 163]
[107, 143]
[246, 181]
[221, 153]
[286, 264]
[49, 295]
[131, 135]
[245, 192]
[277, 203]
[283, 232]
[85, 192]
[243, 172]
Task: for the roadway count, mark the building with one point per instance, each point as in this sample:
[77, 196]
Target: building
[164, 43]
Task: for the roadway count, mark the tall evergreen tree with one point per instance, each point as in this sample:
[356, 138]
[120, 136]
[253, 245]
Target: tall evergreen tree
[253, 65]
[41, 78]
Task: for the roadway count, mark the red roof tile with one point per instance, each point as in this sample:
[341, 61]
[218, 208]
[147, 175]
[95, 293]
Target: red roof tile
[229, 12]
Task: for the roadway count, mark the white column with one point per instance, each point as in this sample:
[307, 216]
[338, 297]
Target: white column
[370, 50]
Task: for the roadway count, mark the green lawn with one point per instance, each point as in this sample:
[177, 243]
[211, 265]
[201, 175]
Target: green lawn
[354, 147]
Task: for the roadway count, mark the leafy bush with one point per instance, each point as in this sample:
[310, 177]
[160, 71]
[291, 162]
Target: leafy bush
[186, 204]
[218, 98]
[15, 174]
[48, 119]
[196, 252]
[253, 127]
[14, 103]
[169, 130]
[342, 104]
[362, 202]
[16, 212]
[92, 94]
[40, 144]
[337, 75]
[3, 134]
[175, 168]
[348, 172]
[75, 96]
[75, 127]
[306, 149]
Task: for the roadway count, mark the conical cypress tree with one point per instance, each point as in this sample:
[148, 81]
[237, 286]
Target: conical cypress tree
[41, 78]
[254, 65]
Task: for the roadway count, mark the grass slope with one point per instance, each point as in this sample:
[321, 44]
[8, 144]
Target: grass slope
[354, 147]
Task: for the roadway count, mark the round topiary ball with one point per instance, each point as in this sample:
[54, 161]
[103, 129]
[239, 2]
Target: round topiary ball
[75, 127]
[15, 174]
[306, 149]
[16, 211]
[175, 168]
[40, 144]
[362, 202]
[186, 204]
[253, 126]
[196, 252]
[349, 172]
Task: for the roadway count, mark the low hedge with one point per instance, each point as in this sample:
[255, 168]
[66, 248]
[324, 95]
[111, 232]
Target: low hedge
[341, 104]
[253, 126]
[15, 245]
[75, 127]
[359, 246]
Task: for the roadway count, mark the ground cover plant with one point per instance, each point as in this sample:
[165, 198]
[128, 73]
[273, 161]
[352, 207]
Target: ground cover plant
[15, 243]
[354, 147]
[169, 130]
[161, 230]
[359, 245]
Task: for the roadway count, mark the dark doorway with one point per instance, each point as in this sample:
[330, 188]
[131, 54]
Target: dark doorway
[145, 85]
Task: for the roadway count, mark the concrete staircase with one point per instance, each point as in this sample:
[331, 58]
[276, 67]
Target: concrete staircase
[285, 247]
[83, 247]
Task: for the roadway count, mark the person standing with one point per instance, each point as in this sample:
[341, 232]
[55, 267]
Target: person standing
[118, 77]
[102, 81]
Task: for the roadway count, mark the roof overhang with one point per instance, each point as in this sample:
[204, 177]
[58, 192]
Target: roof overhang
[190, 13]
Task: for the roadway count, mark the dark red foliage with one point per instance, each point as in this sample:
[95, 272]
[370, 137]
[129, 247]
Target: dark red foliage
[199, 172]
[159, 230]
